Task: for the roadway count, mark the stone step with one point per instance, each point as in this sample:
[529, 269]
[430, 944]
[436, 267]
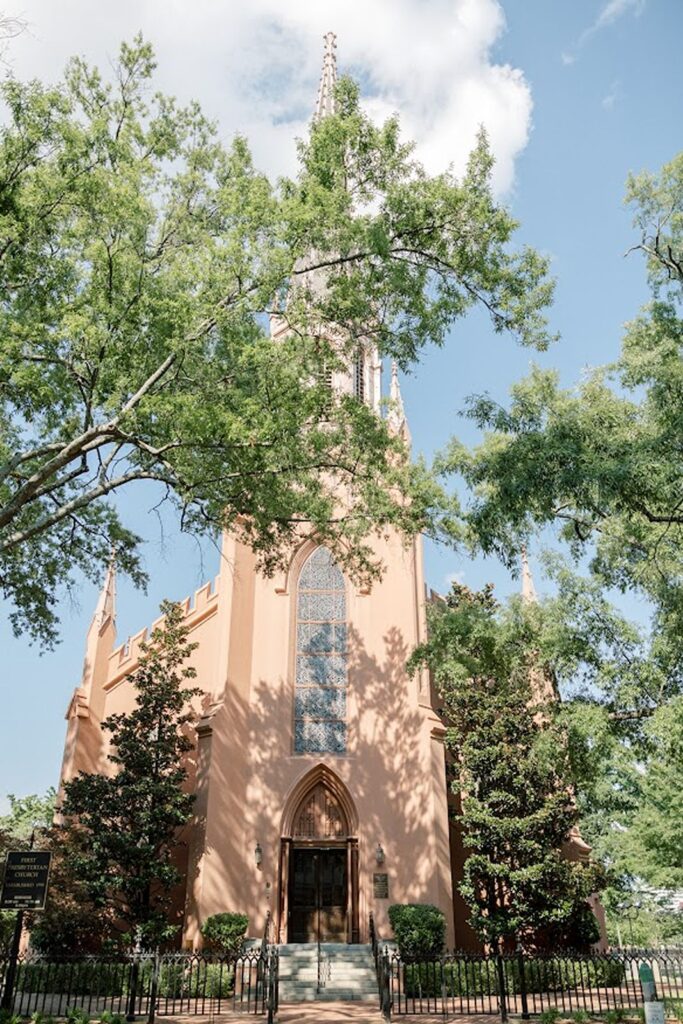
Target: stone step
[293, 968]
[351, 951]
[312, 994]
[330, 971]
[327, 947]
[369, 985]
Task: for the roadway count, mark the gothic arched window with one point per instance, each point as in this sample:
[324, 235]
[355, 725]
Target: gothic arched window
[321, 658]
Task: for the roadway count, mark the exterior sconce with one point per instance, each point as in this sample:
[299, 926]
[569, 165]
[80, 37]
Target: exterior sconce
[379, 854]
[258, 855]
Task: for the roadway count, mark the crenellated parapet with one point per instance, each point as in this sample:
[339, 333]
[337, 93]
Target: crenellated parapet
[124, 659]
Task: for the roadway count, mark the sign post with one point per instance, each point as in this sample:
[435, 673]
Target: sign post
[654, 1010]
[24, 887]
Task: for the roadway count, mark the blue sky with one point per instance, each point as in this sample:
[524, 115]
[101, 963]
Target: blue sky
[576, 95]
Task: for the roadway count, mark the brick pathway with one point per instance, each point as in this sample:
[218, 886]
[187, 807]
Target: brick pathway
[331, 1013]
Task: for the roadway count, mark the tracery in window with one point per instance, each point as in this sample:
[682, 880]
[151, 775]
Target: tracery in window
[319, 816]
[321, 658]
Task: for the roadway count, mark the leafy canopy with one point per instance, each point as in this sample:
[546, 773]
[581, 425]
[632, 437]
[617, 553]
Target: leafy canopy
[141, 261]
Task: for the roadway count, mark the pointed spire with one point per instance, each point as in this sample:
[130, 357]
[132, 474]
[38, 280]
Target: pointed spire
[397, 415]
[325, 103]
[528, 589]
[106, 604]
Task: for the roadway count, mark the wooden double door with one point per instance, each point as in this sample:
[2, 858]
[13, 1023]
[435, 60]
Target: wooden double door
[318, 894]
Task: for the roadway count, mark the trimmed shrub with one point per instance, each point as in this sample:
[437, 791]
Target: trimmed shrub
[226, 931]
[202, 980]
[419, 930]
[473, 977]
[457, 978]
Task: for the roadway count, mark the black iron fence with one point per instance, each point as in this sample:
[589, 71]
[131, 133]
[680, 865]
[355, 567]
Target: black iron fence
[520, 985]
[145, 985]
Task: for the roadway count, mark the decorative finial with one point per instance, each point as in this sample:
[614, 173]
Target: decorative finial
[106, 604]
[397, 415]
[326, 103]
[528, 589]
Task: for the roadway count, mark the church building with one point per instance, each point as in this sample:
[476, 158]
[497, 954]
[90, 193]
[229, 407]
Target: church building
[320, 776]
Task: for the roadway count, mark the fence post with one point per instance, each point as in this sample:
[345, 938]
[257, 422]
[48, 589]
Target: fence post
[522, 985]
[133, 989]
[273, 985]
[502, 994]
[154, 988]
[385, 993]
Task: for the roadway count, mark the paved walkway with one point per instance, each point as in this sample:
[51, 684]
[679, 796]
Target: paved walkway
[331, 1013]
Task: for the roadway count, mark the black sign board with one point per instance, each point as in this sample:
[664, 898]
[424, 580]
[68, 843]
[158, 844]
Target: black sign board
[25, 883]
[380, 884]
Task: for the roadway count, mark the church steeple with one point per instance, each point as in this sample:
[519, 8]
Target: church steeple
[529, 595]
[396, 417]
[325, 103]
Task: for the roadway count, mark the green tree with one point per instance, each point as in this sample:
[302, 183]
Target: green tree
[140, 261]
[654, 842]
[511, 771]
[26, 814]
[125, 827]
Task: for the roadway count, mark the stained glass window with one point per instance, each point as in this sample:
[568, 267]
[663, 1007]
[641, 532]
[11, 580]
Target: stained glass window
[321, 658]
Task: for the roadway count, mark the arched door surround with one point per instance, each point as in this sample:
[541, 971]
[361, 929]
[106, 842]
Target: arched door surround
[318, 876]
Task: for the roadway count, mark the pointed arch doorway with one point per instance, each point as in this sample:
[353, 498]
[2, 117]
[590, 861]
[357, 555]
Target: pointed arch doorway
[318, 876]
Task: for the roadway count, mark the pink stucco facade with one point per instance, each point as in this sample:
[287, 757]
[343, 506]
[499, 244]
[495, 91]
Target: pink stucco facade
[389, 784]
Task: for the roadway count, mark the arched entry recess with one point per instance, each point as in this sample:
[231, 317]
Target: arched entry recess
[318, 873]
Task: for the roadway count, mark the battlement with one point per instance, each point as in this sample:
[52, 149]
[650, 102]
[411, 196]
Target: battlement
[195, 609]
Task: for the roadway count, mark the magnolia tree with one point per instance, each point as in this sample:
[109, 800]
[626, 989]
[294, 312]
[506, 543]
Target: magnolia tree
[511, 772]
[140, 261]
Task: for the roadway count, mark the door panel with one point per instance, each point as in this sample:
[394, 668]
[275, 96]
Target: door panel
[317, 895]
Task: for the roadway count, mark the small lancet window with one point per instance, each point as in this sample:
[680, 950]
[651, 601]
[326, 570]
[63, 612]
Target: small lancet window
[359, 377]
[321, 658]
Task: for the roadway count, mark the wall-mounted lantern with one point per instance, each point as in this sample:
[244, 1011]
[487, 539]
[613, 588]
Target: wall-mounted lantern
[258, 855]
[379, 854]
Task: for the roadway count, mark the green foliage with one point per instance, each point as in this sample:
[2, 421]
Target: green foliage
[77, 1015]
[479, 977]
[550, 1016]
[141, 263]
[419, 929]
[9, 1018]
[124, 828]
[205, 980]
[107, 1017]
[654, 843]
[510, 761]
[26, 814]
[226, 931]
[674, 1008]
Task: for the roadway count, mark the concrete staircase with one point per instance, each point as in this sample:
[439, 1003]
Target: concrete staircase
[346, 973]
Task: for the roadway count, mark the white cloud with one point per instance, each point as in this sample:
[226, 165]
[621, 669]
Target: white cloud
[254, 67]
[608, 101]
[454, 577]
[611, 11]
[568, 58]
